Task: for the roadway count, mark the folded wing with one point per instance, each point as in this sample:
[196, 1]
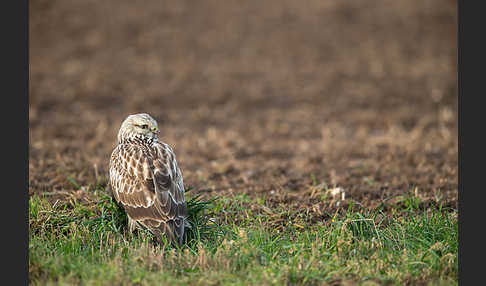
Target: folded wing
[147, 182]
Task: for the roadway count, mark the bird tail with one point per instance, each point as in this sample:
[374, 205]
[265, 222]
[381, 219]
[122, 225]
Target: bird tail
[173, 230]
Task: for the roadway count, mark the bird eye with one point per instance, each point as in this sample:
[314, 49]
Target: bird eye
[145, 126]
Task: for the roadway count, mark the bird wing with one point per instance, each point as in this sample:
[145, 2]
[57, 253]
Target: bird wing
[148, 183]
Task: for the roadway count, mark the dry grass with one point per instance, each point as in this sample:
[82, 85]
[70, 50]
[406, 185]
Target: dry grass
[255, 98]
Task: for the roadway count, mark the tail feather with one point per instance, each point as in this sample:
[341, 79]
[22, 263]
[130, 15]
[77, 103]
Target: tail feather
[173, 230]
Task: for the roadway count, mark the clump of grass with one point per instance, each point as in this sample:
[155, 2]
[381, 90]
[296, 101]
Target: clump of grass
[201, 227]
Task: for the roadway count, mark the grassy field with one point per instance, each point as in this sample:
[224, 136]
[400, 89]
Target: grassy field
[87, 242]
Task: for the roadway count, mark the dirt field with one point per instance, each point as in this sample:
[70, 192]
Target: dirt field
[266, 98]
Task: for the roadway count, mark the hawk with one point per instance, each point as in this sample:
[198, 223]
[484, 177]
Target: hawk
[146, 180]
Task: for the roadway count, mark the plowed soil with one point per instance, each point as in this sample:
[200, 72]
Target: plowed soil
[282, 99]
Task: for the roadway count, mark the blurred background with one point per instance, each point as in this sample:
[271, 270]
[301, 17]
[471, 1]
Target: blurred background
[256, 97]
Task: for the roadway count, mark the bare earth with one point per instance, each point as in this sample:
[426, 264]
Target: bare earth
[265, 98]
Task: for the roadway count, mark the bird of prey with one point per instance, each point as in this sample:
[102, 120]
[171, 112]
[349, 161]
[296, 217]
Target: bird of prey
[146, 180]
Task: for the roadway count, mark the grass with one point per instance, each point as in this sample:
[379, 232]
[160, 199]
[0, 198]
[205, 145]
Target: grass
[88, 243]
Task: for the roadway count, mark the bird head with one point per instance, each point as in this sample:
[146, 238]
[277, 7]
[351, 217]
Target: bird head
[140, 125]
